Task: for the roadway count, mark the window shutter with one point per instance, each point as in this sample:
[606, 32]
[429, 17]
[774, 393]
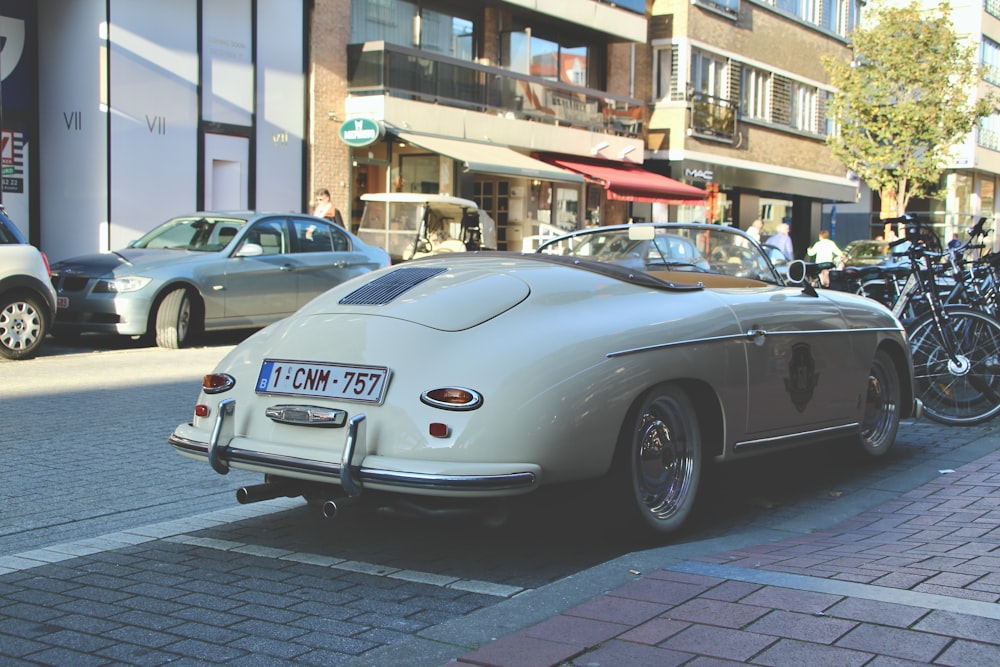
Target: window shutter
[781, 100]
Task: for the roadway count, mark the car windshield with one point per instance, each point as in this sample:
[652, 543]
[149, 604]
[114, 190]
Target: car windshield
[201, 233]
[659, 249]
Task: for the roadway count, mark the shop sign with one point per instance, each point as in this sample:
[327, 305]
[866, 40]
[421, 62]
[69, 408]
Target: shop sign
[360, 131]
[699, 174]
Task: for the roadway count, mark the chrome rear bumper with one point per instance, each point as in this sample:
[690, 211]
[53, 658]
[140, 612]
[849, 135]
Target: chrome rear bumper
[348, 474]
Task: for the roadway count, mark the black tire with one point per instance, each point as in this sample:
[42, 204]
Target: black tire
[964, 390]
[880, 421]
[174, 319]
[23, 325]
[658, 461]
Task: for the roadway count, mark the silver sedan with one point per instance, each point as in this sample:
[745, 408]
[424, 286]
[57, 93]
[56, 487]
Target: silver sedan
[208, 271]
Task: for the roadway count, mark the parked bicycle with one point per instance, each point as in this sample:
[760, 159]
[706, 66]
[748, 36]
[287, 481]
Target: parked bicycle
[955, 348]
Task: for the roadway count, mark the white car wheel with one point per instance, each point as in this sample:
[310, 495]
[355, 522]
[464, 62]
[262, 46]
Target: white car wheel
[22, 327]
[660, 459]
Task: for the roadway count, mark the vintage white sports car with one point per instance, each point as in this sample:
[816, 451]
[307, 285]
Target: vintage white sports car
[628, 355]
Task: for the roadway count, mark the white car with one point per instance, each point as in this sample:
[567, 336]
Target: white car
[623, 355]
[27, 298]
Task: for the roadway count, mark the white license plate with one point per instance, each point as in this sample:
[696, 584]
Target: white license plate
[62, 302]
[366, 384]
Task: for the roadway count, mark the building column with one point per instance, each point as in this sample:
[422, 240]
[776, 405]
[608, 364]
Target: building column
[329, 159]
[807, 214]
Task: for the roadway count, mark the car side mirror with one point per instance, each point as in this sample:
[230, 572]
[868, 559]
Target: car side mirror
[797, 271]
[250, 250]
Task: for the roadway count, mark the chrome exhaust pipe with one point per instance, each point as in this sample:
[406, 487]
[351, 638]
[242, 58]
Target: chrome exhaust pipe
[267, 491]
[333, 505]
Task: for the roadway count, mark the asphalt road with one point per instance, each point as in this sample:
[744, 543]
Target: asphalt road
[88, 474]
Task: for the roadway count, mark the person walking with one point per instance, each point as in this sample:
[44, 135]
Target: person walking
[324, 207]
[782, 241]
[825, 251]
[754, 229]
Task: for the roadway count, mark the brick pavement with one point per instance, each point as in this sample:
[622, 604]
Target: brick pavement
[913, 581]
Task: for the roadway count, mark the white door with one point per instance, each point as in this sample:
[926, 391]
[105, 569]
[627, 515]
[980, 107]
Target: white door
[227, 173]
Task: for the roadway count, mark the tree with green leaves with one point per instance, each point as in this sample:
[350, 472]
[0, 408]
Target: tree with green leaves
[904, 99]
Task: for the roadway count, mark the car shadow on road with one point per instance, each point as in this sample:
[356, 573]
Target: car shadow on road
[86, 343]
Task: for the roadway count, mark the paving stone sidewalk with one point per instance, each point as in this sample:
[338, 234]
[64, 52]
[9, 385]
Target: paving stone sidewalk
[913, 581]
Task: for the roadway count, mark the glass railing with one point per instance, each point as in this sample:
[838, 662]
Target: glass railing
[379, 68]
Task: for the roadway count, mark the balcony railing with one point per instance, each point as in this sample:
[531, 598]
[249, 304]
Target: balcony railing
[379, 68]
[712, 117]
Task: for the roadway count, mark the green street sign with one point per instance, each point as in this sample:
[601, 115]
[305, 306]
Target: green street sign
[361, 131]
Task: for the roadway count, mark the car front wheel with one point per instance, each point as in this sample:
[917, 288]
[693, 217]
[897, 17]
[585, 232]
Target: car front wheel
[659, 460]
[22, 326]
[173, 319]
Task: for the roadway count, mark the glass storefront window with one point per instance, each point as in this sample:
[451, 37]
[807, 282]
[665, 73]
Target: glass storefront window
[413, 24]
[528, 53]
[567, 211]
[420, 173]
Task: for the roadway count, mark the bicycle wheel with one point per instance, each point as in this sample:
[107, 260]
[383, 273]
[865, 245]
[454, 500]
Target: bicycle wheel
[961, 388]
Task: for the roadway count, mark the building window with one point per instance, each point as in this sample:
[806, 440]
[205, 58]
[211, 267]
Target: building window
[729, 8]
[381, 12]
[791, 6]
[709, 74]
[667, 74]
[411, 24]
[827, 126]
[529, 53]
[988, 135]
[838, 16]
[719, 89]
[756, 94]
[992, 7]
[989, 57]
[781, 101]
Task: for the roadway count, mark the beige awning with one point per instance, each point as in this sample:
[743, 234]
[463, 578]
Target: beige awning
[491, 159]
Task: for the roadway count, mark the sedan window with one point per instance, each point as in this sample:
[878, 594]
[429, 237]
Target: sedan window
[271, 235]
[208, 234]
[315, 236]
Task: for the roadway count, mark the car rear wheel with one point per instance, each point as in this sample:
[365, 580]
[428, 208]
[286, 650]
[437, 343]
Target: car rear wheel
[173, 319]
[882, 404]
[659, 460]
[22, 326]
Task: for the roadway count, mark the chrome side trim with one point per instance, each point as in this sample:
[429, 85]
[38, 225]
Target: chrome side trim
[749, 336]
[794, 438]
[679, 343]
[332, 471]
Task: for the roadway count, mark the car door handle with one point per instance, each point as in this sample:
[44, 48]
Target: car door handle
[286, 267]
[756, 336]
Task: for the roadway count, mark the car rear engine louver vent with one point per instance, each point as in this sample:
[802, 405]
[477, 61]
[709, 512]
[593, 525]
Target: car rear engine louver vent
[386, 288]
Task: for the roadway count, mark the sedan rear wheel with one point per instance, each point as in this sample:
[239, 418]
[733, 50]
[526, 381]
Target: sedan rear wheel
[22, 327]
[173, 319]
[660, 460]
[882, 402]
